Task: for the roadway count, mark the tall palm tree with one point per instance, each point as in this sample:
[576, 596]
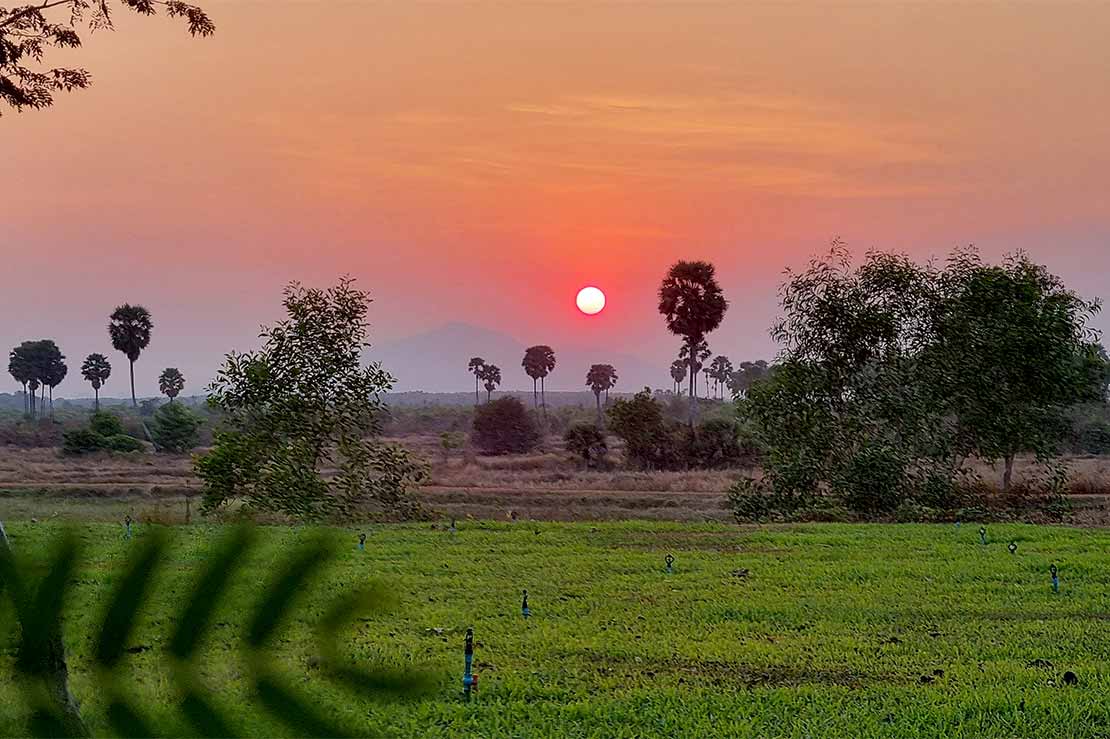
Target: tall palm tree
[600, 378]
[171, 382]
[721, 370]
[96, 370]
[22, 370]
[54, 369]
[693, 305]
[477, 364]
[491, 378]
[129, 328]
[678, 374]
[538, 362]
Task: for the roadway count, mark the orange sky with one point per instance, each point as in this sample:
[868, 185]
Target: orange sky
[479, 163]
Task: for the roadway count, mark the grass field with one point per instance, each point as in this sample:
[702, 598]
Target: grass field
[802, 631]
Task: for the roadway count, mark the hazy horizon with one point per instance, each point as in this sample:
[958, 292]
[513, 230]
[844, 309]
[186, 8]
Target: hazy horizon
[481, 168]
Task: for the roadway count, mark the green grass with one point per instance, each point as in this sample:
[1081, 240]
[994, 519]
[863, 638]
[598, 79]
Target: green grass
[836, 630]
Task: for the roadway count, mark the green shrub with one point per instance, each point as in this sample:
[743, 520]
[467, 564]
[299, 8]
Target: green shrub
[82, 441]
[872, 481]
[504, 426]
[105, 424]
[122, 443]
[174, 428]
[1094, 438]
[649, 441]
[587, 441]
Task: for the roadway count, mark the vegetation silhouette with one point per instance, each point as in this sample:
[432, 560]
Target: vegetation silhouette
[41, 659]
[129, 328]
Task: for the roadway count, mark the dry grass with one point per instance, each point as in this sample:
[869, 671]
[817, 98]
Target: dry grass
[546, 485]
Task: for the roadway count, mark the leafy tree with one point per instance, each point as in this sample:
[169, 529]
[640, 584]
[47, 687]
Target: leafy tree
[893, 374]
[302, 417]
[720, 370]
[129, 329]
[476, 366]
[538, 363]
[1011, 352]
[96, 370]
[600, 378]
[174, 428]
[27, 34]
[639, 422]
[586, 441]
[491, 378]
[693, 305]
[171, 382]
[21, 368]
[105, 433]
[449, 441]
[503, 426]
[678, 374]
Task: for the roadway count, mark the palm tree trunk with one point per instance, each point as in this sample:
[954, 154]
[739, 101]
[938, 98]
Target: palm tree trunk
[134, 403]
[535, 395]
[693, 385]
[597, 395]
[477, 397]
[51, 402]
[1008, 473]
[96, 401]
[543, 397]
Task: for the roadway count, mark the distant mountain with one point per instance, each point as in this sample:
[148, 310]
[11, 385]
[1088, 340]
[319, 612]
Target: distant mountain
[436, 361]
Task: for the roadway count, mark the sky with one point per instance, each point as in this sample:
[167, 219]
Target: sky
[479, 163]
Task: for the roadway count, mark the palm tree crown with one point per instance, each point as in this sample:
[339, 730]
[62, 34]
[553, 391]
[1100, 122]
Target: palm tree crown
[171, 382]
[129, 328]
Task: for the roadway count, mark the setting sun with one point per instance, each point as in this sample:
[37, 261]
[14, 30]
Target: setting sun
[590, 300]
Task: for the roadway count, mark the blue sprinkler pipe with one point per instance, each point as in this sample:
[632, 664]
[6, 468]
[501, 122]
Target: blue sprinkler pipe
[1055, 578]
[982, 534]
[127, 527]
[524, 609]
[470, 680]
[362, 542]
[669, 559]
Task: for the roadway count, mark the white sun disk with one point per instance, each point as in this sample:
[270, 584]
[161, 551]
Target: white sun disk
[590, 300]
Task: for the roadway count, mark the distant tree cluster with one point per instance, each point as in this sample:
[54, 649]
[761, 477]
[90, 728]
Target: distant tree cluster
[39, 366]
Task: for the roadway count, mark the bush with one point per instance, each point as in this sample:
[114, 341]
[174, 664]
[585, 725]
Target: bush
[105, 424]
[586, 441]
[716, 444]
[82, 441]
[649, 441]
[174, 428]
[504, 426]
[872, 481]
[122, 443]
[1094, 438]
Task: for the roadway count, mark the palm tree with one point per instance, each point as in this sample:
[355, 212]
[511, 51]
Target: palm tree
[96, 370]
[600, 378]
[54, 369]
[477, 364]
[721, 370]
[538, 362]
[491, 377]
[701, 354]
[129, 328]
[678, 374]
[171, 382]
[21, 368]
[693, 305]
